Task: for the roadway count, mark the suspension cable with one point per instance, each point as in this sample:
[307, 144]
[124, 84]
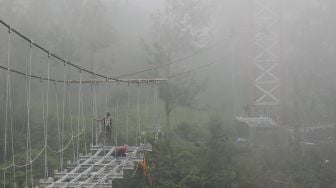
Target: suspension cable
[133, 81]
[38, 46]
[164, 65]
[52, 54]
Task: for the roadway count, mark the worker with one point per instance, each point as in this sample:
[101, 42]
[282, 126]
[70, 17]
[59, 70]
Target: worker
[106, 134]
[121, 152]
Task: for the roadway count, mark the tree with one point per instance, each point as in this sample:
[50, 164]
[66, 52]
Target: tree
[182, 27]
[312, 54]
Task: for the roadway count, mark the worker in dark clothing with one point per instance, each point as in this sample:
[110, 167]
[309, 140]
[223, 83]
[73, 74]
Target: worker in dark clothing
[120, 152]
[106, 133]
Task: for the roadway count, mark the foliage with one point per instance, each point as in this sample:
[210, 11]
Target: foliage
[181, 28]
[200, 152]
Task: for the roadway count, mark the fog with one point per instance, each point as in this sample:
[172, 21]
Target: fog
[228, 93]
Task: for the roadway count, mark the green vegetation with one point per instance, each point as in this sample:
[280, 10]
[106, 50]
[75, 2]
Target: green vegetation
[198, 145]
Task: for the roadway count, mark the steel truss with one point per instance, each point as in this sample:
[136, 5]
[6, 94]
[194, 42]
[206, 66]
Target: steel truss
[97, 170]
[267, 58]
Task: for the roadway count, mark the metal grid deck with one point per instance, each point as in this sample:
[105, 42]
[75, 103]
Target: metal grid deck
[260, 122]
[96, 170]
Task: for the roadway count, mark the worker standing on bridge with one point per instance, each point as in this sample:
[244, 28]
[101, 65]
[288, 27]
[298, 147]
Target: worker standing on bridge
[106, 134]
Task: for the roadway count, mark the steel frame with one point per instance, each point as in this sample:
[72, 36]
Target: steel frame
[267, 58]
[97, 170]
[259, 122]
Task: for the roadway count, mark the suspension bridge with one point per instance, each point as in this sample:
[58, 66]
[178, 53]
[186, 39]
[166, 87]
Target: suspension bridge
[107, 156]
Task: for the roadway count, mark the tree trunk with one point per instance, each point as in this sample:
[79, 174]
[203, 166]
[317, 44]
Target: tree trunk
[168, 100]
[168, 108]
[167, 114]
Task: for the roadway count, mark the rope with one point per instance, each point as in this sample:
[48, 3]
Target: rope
[83, 121]
[44, 128]
[60, 150]
[127, 112]
[130, 81]
[100, 109]
[26, 164]
[79, 110]
[117, 123]
[65, 147]
[63, 60]
[163, 65]
[105, 113]
[157, 110]
[191, 70]
[7, 101]
[95, 111]
[52, 54]
[12, 131]
[154, 106]
[40, 152]
[58, 123]
[71, 125]
[146, 107]
[92, 114]
[138, 118]
[199, 67]
[63, 117]
[46, 123]
[136, 169]
[28, 87]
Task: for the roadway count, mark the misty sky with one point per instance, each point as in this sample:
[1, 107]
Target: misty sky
[149, 5]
